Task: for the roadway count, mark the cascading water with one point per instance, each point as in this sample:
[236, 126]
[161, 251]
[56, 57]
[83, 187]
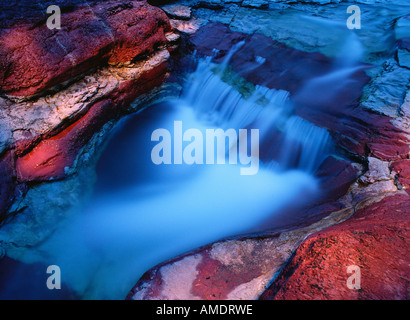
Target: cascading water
[300, 144]
[320, 91]
[142, 214]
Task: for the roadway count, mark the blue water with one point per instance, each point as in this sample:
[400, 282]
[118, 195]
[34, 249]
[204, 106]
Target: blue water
[142, 214]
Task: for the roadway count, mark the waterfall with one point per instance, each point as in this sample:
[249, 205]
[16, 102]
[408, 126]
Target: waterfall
[301, 144]
[323, 91]
[142, 213]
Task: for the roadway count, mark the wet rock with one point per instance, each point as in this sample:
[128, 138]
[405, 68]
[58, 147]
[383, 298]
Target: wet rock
[260, 4]
[34, 58]
[360, 193]
[403, 54]
[402, 168]
[229, 269]
[226, 270]
[49, 117]
[40, 209]
[403, 41]
[131, 62]
[52, 157]
[188, 27]
[210, 4]
[336, 176]
[378, 171]
[374, 239]
[175, 11]
[385, 92]
[397, 150]
[51, 133]
[402, 122]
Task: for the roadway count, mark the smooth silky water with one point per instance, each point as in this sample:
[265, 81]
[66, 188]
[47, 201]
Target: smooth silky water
[142, 214]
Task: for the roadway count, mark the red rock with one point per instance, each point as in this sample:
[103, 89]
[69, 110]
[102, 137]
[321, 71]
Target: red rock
[51, 156]
[390, 150]
[223, 270]
[336, 176]
[293, 219]
[177, 11]
[299, 66]
[374, 239]
[402, 168]
[373, 135]
[215, 280]
[129, 90]
[353, 128]
[34, 58]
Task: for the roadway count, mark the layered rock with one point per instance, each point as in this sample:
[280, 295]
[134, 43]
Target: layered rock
[239, 268]
[374, 240]
[36, 58]
[61, 86]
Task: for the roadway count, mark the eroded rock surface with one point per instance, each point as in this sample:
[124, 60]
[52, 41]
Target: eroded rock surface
[62, 90]
[35, 58]
[374, 239]
[365, 219]
[230, 269]
[61, 86]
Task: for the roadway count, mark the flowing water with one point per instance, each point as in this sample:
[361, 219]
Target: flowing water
[142, 213]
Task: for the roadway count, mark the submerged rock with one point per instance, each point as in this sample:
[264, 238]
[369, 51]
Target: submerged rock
[236, 269]
[403, 41]
[260, 4]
